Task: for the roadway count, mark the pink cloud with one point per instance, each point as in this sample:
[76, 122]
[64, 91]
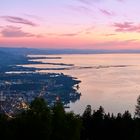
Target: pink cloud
[106, 12]
[117, 44]
[109, 34]
[127, 27]
[13, 19]
[120, 0]
[85, 1]
[86, 31]
[83, 9]
[89, 1]
[64, 34]
[12, 31]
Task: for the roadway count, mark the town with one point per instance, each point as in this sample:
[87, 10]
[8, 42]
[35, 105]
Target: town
[18, 90]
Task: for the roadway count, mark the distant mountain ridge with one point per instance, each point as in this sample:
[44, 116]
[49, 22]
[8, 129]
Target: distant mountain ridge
[49, 51]
[8, 58]
[27, 51]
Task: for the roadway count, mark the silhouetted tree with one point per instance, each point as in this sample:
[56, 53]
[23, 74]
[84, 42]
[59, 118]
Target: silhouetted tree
[99, 114]
[87, 112]
[86, 119]
[127, 115]
[35, 122]
[65, 125]
[47, 123]
[137, 109]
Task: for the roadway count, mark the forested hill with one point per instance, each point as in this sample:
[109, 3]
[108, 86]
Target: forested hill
[23, 51]
[7, 58]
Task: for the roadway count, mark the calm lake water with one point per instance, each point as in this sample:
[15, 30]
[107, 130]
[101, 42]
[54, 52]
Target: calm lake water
[110, 80]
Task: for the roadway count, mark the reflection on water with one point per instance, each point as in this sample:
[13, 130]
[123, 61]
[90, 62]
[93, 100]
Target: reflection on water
[110, 80]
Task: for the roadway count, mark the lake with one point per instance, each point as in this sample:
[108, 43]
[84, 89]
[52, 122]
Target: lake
[109, 80]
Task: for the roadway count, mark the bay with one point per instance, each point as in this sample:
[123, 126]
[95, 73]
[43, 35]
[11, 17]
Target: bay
[108, 80]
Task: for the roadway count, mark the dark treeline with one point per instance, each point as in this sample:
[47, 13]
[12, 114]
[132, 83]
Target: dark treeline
[44, 123]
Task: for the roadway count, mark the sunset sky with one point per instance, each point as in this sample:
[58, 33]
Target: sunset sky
[78, 24]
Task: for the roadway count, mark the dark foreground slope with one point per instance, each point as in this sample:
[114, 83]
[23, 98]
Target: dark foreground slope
[44, 123]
